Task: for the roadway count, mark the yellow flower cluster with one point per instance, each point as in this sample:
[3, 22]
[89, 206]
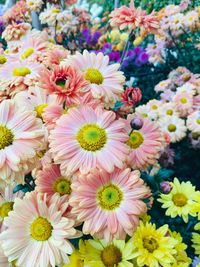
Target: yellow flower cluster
[149, 246]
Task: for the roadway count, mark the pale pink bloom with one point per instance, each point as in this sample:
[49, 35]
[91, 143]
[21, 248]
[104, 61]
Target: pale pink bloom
[35, 5]
[21, 137]
[144, 144]
[191, 19]
[22, 241]
[16, 32]
[3, 259]
[30, 49]
[17, 76]
[51, 114]
[193, 122]
[147, 23]
[87, 138]
[66, 82]
[50, 180]
[18, 12]
[55, 56]
[106, 81]
[184, 5]
[36, 99]
[183, 102]
[109, 204]
[49, 15]
[174, 126]
[7, 198]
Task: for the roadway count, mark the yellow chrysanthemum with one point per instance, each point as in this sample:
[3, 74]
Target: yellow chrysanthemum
[145, 217]
[182, 260]
[100, 253]
[152, 247]
[196, 243]
[180, 200]
[196, 205]
[77, 257]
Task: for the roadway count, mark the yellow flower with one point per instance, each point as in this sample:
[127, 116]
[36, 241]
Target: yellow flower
[115, 36]
[77, 257]
[145, 217]
[100, 253]
[196, 205]
[180, 200]
[152, 246]
[196, 243]
[182, 260]
[124, 37]
[138, 41]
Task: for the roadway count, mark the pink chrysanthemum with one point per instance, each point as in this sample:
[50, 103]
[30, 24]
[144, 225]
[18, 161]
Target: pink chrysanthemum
[21, 136]
[38, 236]
[130, 17]
[65, 81]
[109, 204]
[105, 81]
[124, 17]
[183, 102]
[144, 144]
[7, 198]
[87, 138]
[193, 122]
[50, 181]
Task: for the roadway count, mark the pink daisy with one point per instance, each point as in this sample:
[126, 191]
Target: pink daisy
[109, 204]
[21, 136]
[50, 181]
[65, 81]
[144, 144]
[38, 237]
[106, 81]
[184, 102]
[87, 138]
[7, 198]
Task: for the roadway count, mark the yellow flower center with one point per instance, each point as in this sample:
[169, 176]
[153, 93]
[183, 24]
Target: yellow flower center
[169, 112]
[198, 121]
[6, 137]
[14, 263]
[171, 128]
[183, 100]
[179, 199]
[21, 71]
[3, 59]
[91, 137]
[55, 10]
[150, 243]
[145, 115]
[109, 197]
[154, 107]
[94, 76]
[5, 208]
[111, 256]
[135, 140]
[62, 186]
[41, 229]
[31, 3]
[27, 53]
[40, 109]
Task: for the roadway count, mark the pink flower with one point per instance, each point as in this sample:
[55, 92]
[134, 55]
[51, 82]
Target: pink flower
[15, 32]
[131, 96]
[184, 102]
[50, 181]
[55, 56]
[87, 138]
[39, 235]
[51, 114]
[22, 136]
[144, 144]
[109, 204]
[131, 18]
[105, 81]
[66, 82]
[70, 2]
[124, 17]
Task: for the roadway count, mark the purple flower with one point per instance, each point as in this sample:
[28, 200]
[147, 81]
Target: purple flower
[114, 56]
[143, 57]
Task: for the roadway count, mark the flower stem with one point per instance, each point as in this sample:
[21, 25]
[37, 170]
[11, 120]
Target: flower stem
[130, 37]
